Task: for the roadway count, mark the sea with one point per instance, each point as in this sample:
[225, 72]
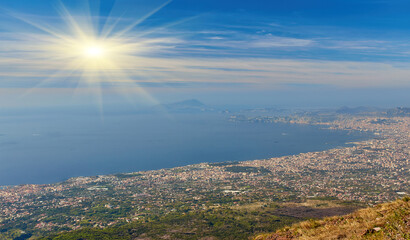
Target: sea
[49, 148]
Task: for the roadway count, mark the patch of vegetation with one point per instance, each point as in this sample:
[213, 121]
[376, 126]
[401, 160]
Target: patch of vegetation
[221, 164]
[213, 222]
[324, 198]
[220, 223]
[244, 169]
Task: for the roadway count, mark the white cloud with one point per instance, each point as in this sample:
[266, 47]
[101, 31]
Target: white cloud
[260, 72]
[270, 41]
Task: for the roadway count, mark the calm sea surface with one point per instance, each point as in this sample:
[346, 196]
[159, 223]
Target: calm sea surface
[47, 149]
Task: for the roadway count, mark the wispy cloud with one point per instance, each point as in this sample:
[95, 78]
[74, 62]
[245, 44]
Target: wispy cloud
[270, 41]
[235, 72]
[356, 45]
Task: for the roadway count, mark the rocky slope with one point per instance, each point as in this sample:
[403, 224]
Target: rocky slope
[384, 221]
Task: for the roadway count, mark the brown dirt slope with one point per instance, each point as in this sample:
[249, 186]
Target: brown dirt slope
[384, 221]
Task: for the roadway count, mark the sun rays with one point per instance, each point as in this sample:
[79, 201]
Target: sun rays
[92, 50]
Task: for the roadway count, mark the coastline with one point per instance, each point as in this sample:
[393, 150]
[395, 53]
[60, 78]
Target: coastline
[219, 141]
[370, 172]
[325, 127]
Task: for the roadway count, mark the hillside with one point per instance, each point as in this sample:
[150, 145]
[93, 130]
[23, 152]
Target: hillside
[216, 222]
[384, 221]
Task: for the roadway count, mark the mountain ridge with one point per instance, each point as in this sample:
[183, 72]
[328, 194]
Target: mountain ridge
[185, 106]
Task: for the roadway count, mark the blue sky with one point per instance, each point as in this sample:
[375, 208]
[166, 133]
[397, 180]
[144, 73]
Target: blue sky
[218, 51]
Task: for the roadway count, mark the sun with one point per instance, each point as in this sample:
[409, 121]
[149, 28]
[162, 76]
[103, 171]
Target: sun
[94, 51]
[94, 48]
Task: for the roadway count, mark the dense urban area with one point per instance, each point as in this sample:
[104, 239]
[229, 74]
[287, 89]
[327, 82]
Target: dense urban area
[257, 196]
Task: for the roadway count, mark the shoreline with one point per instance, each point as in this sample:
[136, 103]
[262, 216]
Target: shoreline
[370, 172]
[321, 126]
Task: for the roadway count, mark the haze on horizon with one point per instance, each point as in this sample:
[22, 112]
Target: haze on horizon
[293, 53]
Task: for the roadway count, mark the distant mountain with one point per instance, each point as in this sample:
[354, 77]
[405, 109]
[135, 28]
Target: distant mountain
[186, 106]
[358, 110]
[393, 112]
[384, 221]
[399, 112]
